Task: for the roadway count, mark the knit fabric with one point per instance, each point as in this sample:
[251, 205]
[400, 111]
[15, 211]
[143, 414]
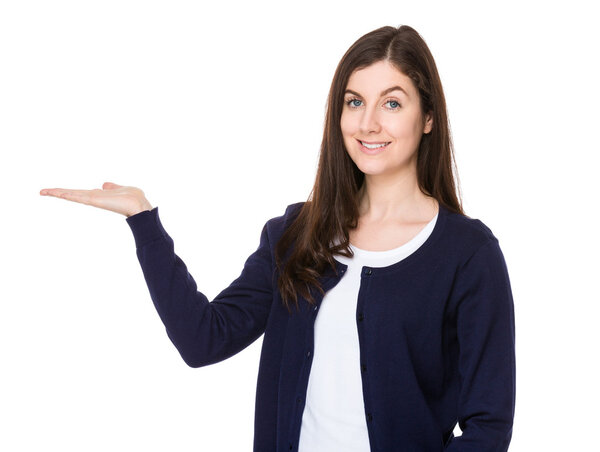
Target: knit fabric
[436, 335]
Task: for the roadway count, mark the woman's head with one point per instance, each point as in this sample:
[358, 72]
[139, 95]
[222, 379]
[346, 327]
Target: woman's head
[382, 121]
[388, 56]
[403, 49]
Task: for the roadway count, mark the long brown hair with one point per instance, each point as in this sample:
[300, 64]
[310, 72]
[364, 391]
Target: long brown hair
[333, 206]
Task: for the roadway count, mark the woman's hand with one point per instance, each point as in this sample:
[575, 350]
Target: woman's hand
[116, 198]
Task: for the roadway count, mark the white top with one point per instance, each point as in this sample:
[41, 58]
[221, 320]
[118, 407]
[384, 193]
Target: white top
[334, 413]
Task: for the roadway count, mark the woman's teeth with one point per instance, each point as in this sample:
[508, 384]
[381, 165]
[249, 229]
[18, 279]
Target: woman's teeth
[373, 146]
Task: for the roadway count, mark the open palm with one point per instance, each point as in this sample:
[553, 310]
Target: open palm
[117, 198]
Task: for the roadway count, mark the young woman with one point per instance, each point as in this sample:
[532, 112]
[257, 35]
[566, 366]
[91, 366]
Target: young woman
[387, 313]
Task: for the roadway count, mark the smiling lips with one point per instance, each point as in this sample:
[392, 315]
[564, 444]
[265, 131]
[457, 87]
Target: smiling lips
[373, 147]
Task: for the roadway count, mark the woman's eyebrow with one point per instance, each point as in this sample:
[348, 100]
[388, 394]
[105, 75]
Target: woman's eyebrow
[383, 93]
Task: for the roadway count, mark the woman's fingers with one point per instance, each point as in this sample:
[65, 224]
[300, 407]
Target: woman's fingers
[116, 198]
[82, 196]
[109, 185]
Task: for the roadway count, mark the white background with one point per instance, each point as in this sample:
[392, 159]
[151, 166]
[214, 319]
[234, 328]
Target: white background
[216, 112]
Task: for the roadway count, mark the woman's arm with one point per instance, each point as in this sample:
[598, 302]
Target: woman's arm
[204, 332]
[486, 336]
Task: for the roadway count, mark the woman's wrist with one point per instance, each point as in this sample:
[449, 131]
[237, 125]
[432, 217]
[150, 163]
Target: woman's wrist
[145, 205]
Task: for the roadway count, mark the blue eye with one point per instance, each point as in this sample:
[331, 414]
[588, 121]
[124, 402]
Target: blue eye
[355, 103]
[352, 102]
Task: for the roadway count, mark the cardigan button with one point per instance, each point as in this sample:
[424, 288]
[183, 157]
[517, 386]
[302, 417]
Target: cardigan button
[369, 417]
[308, 354]
[361, 317]
[368, 271]
[363, 367]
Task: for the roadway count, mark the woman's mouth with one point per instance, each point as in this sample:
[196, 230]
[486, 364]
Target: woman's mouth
[372, 148]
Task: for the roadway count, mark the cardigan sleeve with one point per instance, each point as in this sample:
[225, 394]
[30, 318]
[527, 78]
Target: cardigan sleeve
[486, 337]
[203, 332]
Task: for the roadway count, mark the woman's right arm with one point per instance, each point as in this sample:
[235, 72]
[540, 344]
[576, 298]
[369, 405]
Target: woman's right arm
[203, 332]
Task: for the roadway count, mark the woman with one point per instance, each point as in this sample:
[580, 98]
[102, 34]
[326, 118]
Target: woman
[415, 324]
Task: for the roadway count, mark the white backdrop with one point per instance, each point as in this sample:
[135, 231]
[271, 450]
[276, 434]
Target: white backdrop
[216, 112]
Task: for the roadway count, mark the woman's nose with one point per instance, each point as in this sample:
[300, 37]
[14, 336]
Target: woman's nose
[369, 122]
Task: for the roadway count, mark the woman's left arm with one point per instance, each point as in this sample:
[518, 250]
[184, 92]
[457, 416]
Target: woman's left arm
[486, 337]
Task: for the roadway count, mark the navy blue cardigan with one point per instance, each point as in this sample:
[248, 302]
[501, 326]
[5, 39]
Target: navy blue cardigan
[436, 334]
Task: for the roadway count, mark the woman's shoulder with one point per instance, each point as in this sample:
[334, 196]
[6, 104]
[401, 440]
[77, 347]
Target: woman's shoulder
[293, 209]
[276, 225]
[466, 233]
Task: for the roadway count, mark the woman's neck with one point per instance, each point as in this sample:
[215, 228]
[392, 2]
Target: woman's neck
[399, 199]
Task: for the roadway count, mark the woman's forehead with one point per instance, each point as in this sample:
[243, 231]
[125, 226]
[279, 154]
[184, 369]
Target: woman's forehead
[378, 77]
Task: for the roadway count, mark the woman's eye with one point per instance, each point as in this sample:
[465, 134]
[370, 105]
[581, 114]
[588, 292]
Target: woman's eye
[355, 103]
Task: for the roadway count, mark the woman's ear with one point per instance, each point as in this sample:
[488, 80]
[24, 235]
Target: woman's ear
[428, 122]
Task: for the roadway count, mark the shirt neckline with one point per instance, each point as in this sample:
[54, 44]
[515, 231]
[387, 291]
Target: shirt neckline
[371, 254]
[417, 255]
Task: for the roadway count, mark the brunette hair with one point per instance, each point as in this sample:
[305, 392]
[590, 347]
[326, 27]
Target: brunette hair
[333, 205]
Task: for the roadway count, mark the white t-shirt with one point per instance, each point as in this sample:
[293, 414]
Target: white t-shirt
[334, 415]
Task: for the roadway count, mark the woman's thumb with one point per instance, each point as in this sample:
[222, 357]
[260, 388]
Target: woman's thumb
[109, 185]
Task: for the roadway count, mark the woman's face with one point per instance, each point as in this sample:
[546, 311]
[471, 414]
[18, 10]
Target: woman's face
[381, 121]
